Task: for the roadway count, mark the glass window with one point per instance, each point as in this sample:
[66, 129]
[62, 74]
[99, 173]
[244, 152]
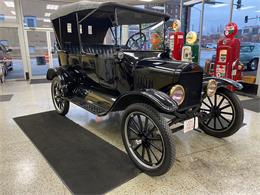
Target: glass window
[30, 21]
[2, 17]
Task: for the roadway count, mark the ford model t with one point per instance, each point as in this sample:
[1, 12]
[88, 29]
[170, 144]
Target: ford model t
[102, 73]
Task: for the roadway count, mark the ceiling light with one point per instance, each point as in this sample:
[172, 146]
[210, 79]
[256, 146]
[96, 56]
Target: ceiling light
[9, 3]
[156, 26]
[47, 14]
[13, 12]
[219, 5]
[247, 7]
[192, 2]
[46, 20]
[52, 6]
[146, 0]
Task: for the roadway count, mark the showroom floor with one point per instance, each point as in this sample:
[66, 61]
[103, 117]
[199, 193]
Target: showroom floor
[204, 165]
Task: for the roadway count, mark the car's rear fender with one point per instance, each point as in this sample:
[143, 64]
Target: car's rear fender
[222, 82]
[59, 71]
[159, 100]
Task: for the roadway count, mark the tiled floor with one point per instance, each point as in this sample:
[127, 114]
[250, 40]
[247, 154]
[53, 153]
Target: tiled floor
[204, 165]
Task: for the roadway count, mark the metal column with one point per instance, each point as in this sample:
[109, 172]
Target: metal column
[48, 35]
[201, 27]
[231, 10]
[22, 39]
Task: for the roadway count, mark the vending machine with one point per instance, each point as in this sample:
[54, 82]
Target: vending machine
[227, 62]
[176, 40]
[190, 51]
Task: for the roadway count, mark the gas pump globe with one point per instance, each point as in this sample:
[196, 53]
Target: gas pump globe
[176, 40]
[190, 51]
[227, 62]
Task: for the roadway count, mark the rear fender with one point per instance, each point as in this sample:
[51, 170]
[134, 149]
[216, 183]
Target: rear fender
[222, 82]
[159, 100]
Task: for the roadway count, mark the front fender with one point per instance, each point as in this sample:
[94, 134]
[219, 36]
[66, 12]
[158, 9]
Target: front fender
[155, 98]
[222, 82]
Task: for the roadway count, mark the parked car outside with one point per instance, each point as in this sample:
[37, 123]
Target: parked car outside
[249, 55]
[6, 59]
[211, 46]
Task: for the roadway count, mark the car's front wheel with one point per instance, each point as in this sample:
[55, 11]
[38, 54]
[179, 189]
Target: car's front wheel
[221, 115]
[60, 103]
[148, 139]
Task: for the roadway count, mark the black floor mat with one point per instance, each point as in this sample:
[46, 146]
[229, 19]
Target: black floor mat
[252, 104]
[86, 163]
[39, 81]
[5, 98]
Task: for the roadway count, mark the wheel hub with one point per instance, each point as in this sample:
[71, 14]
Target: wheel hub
[215, 111]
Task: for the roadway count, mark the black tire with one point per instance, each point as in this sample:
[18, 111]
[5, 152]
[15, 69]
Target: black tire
[60, 103]
[156, 146]
[253, 65]
[235, 113]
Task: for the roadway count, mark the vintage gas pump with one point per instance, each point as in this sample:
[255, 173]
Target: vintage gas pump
[227, 62]
[176, 40]
[190, 51]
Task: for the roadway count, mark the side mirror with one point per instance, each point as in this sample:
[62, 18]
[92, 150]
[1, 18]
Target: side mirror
[9, 50]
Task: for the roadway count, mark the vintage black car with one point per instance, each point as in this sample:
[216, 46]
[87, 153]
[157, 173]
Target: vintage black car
[158, 96]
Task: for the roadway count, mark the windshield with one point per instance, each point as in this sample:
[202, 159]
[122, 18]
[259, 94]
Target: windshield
[143, 37]
[246, 49]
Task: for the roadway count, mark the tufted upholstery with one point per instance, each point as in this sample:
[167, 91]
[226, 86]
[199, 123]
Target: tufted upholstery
[106, 51]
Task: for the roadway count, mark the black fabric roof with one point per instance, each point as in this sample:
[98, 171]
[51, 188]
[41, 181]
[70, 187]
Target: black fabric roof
[88, 6]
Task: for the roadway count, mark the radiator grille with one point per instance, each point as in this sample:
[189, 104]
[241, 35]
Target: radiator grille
[192, 83]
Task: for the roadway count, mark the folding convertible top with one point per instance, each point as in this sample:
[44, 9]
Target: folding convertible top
[90, 6]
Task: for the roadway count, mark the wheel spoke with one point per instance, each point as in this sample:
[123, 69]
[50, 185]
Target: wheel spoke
[146, 124]
[209, 120]
[140, 122]
[154, 154]
[203, 109]
[224, 107]
[215, 121]
[136, 147]
[206, 104]
[154, 138]
[210, 101]
[155, 147]
[134, 131]
[215, 99]
[228, 113]
[221, 101]
[149, 155]
[220, 123]
[151, 130]
[224, 119]
[135, 124]
[143, 151]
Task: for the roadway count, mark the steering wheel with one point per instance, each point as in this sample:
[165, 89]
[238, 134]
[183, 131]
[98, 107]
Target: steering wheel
[136, 41]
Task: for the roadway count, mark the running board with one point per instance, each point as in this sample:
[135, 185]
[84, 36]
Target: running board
[94, 109]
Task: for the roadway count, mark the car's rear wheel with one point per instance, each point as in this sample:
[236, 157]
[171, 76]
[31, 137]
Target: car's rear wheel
[60, 103]
[222, 114]
[148, 139]
[253, 65]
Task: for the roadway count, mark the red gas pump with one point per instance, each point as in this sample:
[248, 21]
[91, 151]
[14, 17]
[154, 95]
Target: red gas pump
[227, 62]
[176, 40]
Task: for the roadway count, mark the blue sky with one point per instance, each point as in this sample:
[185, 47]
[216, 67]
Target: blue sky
[219, 16]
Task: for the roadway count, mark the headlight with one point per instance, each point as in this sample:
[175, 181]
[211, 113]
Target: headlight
[212, 87]
[177, 93]
[120, 55]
